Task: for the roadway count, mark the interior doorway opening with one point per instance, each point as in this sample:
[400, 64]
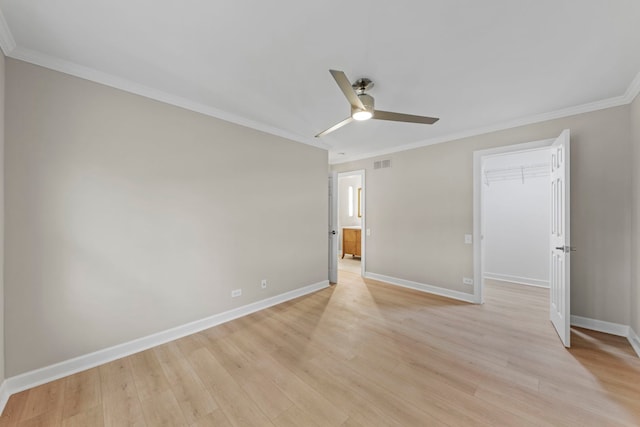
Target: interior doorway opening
[480, 162]
[515, 211]
[557, 221]
[350, 222]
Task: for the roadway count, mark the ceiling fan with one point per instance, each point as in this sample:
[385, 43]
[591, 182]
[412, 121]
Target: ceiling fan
[362, 105]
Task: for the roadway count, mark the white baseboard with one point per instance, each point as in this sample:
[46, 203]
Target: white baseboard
[4, 395]
[436, 290]
[600, 326]
[46, 374]
[634, 340]
[609, 328]
[517, 279]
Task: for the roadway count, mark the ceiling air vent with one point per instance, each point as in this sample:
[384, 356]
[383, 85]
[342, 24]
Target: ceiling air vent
[381, 164]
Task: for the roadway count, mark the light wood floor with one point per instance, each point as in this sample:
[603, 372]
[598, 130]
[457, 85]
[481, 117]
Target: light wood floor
[360, 353]
[350, 264]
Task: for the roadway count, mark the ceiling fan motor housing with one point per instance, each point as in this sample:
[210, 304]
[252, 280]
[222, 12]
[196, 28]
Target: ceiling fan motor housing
[362, 85]
[363, 106]
[367, 101]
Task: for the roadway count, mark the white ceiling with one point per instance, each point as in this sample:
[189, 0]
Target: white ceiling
[478, 65]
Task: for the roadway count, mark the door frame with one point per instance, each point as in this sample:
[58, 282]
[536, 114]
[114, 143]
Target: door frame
[363, 198]
[478, 222]
[333, 220]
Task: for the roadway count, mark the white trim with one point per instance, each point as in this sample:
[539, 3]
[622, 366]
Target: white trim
[632, 91]
[9, 47]
[478, 280]
[4, 395]
[110, 80]
[77, 364]
[436, 290]
[478, 158]
[572, 111]
[634, 340]
[517, 279]
[600, 326]
[7, 43]
[363, 225]
[334, 230]
[609, 328]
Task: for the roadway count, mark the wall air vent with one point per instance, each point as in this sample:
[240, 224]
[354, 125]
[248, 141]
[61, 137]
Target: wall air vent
[381, 164]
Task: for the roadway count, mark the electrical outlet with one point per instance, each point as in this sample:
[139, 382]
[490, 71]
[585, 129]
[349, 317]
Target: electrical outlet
[468, 239]
[467, 281]
[368, 232]
[236, 293]
[263, 283]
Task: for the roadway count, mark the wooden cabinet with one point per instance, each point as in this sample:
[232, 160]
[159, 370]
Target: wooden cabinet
[351, 238]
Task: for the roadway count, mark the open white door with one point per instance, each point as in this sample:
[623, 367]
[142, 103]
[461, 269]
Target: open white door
[560, 243]
[333, 224]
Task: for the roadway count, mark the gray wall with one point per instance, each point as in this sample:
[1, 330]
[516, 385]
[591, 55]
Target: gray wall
[2, 86]
[126, 216]
[419, 209]
[635, 254]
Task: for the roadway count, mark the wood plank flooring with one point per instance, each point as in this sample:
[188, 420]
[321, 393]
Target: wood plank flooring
[360, 353]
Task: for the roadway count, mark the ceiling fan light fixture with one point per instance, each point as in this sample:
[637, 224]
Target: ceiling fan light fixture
[363, 105]
[366, 111]
[361, 115]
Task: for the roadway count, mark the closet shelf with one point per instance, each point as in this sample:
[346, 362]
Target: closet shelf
[518, 172]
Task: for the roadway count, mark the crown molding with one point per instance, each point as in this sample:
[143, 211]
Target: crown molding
[9, 48]
[7, 43]
[113, 81]
[633, 90]
[617, 101]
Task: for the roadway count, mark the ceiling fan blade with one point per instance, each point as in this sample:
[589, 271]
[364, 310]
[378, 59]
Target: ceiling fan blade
[399, 117]
[344, 84]
[334, 127]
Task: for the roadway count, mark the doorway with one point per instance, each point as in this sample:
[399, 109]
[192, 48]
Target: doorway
[350, 222]
[515, 212]
[559, 218]
[479, 221]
